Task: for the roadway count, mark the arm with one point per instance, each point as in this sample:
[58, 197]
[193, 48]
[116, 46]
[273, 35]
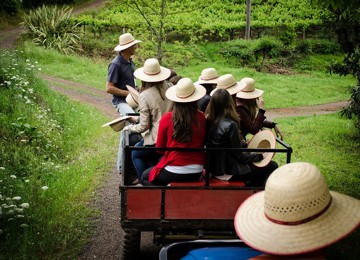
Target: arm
[112, 89]
[145, 117]
[235, 142]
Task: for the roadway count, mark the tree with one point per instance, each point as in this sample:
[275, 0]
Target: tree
[159, 13]
[347, 23]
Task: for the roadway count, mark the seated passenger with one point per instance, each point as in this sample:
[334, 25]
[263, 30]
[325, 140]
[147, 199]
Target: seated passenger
[207, 79]
[223, 132]
[250, 108]
[182, 127]
[152, 105]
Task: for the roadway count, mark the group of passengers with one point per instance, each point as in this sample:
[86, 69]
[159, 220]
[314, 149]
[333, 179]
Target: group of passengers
[175, 112]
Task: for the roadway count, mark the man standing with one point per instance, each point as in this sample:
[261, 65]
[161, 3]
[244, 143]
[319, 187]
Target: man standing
[120, 74]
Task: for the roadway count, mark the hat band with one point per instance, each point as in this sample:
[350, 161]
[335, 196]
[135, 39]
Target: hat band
[152, 74]
[126, 43]
[231, 85]
[208, 78]
[294, 223]
[186, 96]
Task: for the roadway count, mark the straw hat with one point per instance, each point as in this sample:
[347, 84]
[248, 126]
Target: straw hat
[263, 139]
[249, 91]
[296, 213]
[126, 40]
[152, 71]
[185, 91]
[133, 97]
[208, 76]
[118, 124]
[229, 83]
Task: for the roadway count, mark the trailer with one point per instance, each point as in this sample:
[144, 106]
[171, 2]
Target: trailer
[203, 209]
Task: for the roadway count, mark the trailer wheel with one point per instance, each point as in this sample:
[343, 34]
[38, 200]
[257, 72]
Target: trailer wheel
[131, 244]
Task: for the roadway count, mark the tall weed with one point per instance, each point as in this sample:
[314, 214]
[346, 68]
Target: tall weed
[51, 27]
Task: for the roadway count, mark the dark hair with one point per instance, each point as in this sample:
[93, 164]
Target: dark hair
[159, 85]
[221, 105]
[251, 105]
[174, 80]
[183, 118]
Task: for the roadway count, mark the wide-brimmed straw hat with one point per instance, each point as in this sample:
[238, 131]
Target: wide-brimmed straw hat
[296, 213]
[133, 97]
[185, 91]
[263, 139]
[152, 71]
[208, 76]
[117, 124]
[126, 40]
[249, 91]
[229, 83]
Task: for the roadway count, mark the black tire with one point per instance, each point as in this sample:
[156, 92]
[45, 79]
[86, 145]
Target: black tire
[131, 244]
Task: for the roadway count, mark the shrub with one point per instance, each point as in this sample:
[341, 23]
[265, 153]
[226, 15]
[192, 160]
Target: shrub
[266, 48]
[323, 46]
[51, 27]
[10, 7]
[350, 66]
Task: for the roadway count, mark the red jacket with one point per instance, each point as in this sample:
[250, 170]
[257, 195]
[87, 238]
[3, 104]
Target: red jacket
[179, 158]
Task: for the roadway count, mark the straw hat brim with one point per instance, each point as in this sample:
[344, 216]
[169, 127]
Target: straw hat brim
[162, 75]
[257, 231]
[263, 139]
[131, 101]
[125, 46]
[134, 93]
[199, 92]
[203, 81]
[117, 124]
[250, 95]
[233, 89]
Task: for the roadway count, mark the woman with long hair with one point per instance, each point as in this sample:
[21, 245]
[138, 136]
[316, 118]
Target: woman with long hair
[152, 105]
[183, 127]
[223, 132]
[250, 108]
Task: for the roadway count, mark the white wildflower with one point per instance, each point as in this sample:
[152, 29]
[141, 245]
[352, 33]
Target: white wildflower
[27, 180]
[44, 187]
[25, 205]
[16, 198]
[13, 176]
[23, 225]
[2, 168]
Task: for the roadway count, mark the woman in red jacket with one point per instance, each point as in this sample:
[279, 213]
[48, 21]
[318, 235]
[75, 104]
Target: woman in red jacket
[182, 127]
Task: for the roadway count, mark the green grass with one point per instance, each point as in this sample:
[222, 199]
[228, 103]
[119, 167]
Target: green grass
[281, 91]
[331, 143]
[53, 155]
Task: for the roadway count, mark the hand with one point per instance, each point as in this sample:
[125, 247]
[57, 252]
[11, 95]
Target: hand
[260, 102]
[133, 119]
[126, 128]
[278, 132]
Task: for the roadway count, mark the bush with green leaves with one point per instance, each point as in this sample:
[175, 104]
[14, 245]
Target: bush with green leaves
[51, 27]
[350, 66]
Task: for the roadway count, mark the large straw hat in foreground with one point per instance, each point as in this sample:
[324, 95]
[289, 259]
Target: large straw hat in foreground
[126, 40]
[296, 213]
[185, 91]
[229, 83]
[265, 140]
